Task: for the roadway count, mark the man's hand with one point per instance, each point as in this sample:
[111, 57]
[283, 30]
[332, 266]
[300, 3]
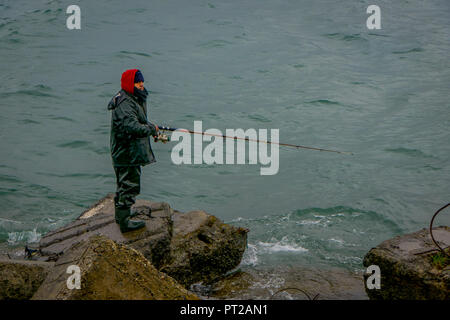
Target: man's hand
[154, 128]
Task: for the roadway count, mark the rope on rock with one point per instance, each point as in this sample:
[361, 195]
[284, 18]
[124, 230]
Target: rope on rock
[431, 228]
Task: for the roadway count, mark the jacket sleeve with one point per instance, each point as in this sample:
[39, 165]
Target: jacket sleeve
[152, 126]
[131, 124]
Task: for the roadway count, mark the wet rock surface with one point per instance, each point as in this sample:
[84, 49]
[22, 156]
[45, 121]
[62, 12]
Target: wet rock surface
[203, 248]
[153, 241]
[412, 267]
[287, 283]
[185, 247]
[109, 271]
[191, 247]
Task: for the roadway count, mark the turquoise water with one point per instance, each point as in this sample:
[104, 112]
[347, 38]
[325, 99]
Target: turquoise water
[308, 68]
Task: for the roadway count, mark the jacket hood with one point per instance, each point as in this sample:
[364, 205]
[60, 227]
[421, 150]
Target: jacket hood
[127, 80]
[117, 99]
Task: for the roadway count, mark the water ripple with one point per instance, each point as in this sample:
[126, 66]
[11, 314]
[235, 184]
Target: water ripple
[413, 50]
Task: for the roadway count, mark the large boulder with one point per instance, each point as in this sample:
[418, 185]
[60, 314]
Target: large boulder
[109, 271]
[153, 241]
[20, 279]
[293, 282]
[412, 267]
[203, 248]
[190, 247]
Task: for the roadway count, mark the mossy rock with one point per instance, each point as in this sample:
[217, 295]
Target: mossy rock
[110, 271]
[411, 267]
[203, 248]
[19, 279]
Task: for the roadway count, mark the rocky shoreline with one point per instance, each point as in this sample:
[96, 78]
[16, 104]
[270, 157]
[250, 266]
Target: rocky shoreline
[174, 251]
[195, 255]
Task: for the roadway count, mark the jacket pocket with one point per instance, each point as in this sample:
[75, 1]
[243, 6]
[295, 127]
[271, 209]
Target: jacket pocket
[141, 150]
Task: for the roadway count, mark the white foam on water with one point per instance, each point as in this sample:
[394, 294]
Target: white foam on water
[282, 245]
[250, 257]
[23, 236]
[338, 215]
[339, 241]
[277, 247]
[308, 222]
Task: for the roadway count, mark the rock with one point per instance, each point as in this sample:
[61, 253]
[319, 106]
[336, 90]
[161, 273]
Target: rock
[294, 282]
[412, 267]
[153, 241]
[109, 271]
[203, 248]
[19, 279]
[190, 247]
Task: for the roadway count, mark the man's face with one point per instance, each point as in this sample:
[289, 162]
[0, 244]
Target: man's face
[139, 85]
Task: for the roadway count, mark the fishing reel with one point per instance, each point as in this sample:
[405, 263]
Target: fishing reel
[164, 138]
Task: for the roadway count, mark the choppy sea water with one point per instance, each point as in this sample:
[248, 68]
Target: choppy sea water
[308, 68]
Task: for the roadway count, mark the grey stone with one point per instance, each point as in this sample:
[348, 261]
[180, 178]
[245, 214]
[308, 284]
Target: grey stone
[411, 266]
[109, 271]
[190, 247]
[153, 241]
[203, 248]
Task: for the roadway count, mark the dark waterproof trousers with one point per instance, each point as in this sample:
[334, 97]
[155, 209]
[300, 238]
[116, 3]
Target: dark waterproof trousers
[128, 180]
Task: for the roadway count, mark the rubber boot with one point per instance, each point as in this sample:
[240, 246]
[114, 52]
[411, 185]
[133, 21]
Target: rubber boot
[125, 224]
[133, 213]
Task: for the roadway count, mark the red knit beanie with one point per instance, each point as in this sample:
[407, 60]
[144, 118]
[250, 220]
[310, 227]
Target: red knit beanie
[127, 80]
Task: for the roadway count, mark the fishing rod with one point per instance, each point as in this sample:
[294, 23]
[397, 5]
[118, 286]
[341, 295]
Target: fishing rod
[164, 138]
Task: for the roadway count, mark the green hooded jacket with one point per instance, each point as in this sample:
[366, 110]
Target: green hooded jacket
[130, 131]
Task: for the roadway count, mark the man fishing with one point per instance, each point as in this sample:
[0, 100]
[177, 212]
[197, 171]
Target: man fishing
[130, 144]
